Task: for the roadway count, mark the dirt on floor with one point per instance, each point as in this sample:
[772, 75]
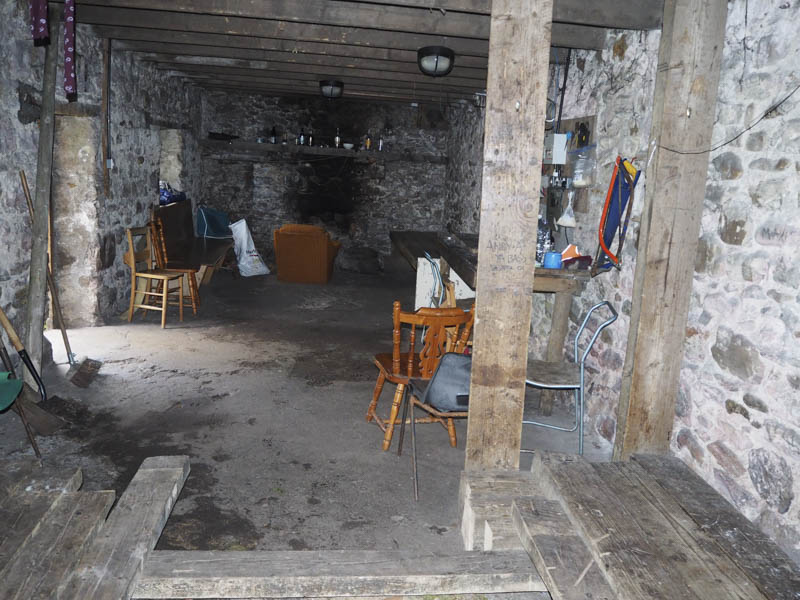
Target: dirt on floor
[266, 390]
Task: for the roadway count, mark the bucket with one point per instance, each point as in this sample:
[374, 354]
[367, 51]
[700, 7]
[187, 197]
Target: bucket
[552, 260]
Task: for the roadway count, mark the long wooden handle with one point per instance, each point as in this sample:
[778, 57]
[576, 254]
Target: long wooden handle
[12, 335]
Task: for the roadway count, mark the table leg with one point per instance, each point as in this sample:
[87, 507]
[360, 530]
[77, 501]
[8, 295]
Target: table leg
[555, 344]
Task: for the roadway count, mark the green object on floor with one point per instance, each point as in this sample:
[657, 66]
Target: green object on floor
[9, 389]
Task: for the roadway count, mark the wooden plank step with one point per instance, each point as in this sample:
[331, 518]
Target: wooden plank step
[560, 556]
[319, 574]
[775, 574]
[500, 534]
[633, 564]
[476, 512]
[488, 495]
[20, 514]
[53, 548]
[115, 557]
[690, 554]
[27, 475]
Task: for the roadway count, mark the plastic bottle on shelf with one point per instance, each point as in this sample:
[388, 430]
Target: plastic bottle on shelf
[380, 143]
[301, 139]
[368, 142]
[337, 141]
[310, 137]
[273, 136]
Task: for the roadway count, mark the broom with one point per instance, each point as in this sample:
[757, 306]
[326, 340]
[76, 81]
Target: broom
[85, 373]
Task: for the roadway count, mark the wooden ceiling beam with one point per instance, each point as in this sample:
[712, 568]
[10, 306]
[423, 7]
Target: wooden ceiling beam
[339, 13]
[286, 80]
[224, 41]
[365, 96]
[209, 54]
[316, 73]
[411, 17]
[331, 34]
[563, 35]
[302, 79]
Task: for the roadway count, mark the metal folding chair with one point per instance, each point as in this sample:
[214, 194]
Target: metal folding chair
[567, 375]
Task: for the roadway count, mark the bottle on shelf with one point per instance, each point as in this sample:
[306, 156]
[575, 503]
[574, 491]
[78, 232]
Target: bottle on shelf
[302, 138]
[380, 143]
[310, 137]
[273, 136]
[368, 142]
[337, 141]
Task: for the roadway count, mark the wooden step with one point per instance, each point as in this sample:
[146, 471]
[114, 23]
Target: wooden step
[112, 561]
[318, 574]
[487, 496]
[775, 574]
[567, 567]
[54, 546]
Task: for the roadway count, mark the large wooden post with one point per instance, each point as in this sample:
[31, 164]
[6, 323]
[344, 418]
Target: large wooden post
[37, 283]
[519, 49]
[685, 96]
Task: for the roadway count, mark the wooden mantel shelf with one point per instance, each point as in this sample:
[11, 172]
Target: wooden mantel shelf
[240, 150]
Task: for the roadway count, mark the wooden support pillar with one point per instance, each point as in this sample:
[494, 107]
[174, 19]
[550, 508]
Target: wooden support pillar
[555, 343]
[37, 283]
[692, 38]
[519, 50]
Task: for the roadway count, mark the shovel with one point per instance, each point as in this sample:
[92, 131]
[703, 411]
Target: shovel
[23, 354]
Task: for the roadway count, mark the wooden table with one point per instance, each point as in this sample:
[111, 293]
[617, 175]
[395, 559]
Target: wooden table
[460, 251]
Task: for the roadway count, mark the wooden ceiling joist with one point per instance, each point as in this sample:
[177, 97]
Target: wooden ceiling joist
[190, 53]
[311, 72]
[301, 80]
[213, 41]
[356, 40]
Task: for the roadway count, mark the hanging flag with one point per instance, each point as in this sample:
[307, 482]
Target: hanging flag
[70, 85]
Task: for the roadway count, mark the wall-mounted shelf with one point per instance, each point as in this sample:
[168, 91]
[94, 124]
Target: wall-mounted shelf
[252, 151]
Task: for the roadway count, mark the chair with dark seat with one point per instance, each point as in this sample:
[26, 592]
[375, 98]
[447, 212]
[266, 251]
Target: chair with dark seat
[445, 395]
[161, 260]
[442, 330]
[569, 375]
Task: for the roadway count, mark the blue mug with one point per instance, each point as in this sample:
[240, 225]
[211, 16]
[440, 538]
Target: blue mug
[552, 260]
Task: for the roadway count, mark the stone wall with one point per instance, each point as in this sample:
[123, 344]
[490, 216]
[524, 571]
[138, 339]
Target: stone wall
[143, 102]
[616, 86]
[738, 417]
[89, 226]
[21, 66]
[358, 201]
[20, 98]
[464, 167]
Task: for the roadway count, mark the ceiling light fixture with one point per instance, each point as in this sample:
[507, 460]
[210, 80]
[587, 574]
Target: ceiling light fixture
[331, 88]
[436, 61]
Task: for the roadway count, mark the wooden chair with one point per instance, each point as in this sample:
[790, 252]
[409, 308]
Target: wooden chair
[156, 227]
[148, 275]
[403, 364]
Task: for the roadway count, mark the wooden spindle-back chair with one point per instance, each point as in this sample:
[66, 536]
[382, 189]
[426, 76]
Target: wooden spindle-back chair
[140, 262]
[436, 331]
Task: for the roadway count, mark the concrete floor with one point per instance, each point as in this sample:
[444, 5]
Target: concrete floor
[266, 391]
